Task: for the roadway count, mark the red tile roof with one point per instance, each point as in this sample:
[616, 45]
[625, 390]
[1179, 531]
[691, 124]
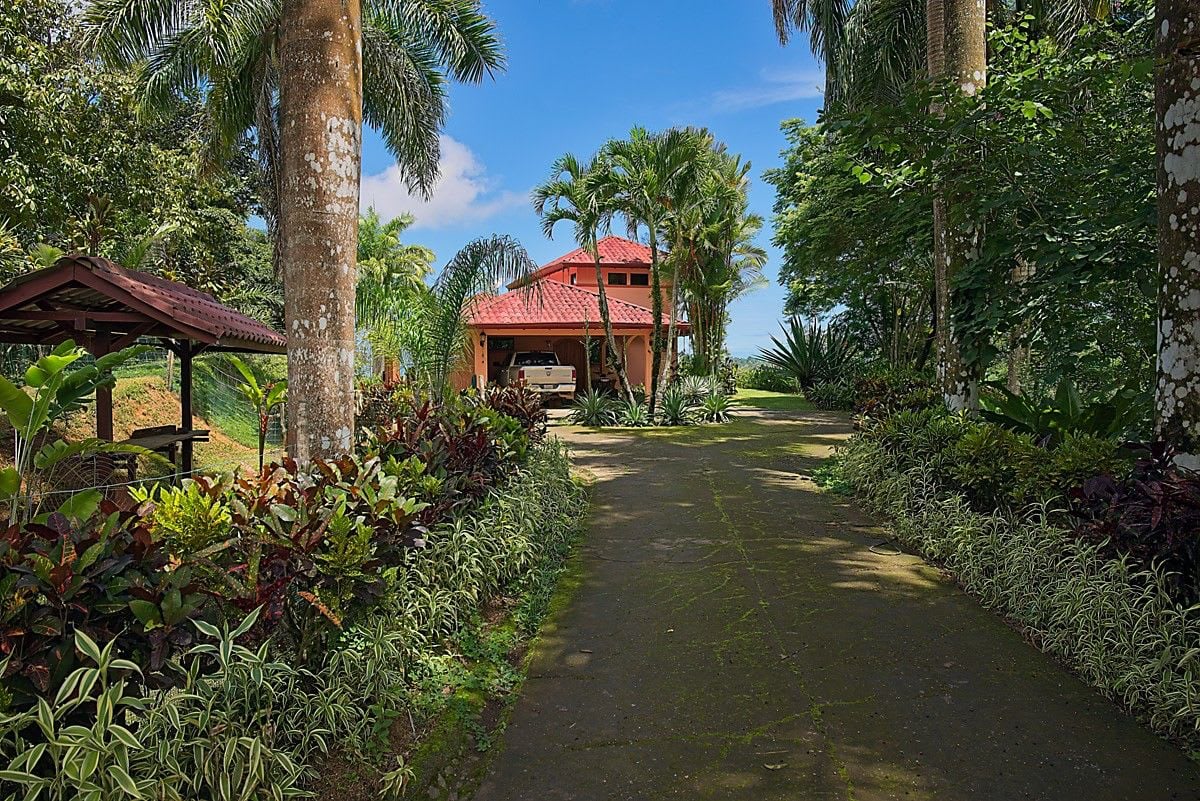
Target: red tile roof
[612, 249]
[130, 302]
[553, 304]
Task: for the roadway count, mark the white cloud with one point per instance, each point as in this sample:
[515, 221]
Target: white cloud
[464, 192]
[775, 87]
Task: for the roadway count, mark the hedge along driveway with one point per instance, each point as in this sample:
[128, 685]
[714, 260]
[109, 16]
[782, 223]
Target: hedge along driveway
[735, 636]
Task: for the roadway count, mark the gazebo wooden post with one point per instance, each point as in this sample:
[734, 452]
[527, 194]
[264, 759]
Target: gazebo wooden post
[104, 404]
[185, 403]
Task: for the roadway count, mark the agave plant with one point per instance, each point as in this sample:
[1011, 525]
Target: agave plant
[811, 354]
[594, 408]
[697, 387]
[676, 409]
[716, 408]
[633, 414]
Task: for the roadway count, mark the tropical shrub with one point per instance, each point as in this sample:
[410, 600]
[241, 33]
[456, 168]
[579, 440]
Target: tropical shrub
[520, 403]
[247, 727]
[884, 391]
[992, 467]
[676, 408]
[696, 388]
[50, 392]
[765, 377]
[49, 754]
[594, 408]
[458, 453]
[716, 408]
[1152, 515]
[811, 354]
[379, 403]
[250, 719]
[187, 519]
[988, 465]
[633, 414]
[105, 578]
[838, 394]
[1113, 417]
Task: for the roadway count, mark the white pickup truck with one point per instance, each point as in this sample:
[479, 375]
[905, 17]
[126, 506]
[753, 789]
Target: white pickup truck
[540, 371]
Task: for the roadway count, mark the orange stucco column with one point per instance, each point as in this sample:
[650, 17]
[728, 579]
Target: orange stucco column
[479, 345]
[649, 363]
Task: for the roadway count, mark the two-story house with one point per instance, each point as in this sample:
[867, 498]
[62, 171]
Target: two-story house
[560, 309]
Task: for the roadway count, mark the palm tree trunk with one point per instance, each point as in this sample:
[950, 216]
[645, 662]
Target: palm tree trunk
[656, 343]
[606, 318]
[672, 364]
[321, 148]
[960, 52]
[1177, 141]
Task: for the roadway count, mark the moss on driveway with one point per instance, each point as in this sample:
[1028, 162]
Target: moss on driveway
[735, 635]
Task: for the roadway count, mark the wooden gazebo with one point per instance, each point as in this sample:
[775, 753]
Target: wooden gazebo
[104, 308]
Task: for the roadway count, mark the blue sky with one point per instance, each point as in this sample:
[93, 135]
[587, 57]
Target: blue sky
[583, 71]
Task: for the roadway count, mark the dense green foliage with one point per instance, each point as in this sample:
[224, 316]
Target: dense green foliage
[291, 611]
[1066, 190]
[81, 168]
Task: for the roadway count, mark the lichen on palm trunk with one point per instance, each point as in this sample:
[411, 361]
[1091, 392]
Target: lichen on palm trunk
[1177, 139]
[320, 107]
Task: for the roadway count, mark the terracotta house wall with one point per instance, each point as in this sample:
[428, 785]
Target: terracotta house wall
[638, 295]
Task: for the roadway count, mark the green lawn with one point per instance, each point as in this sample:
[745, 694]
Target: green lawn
[778, 401]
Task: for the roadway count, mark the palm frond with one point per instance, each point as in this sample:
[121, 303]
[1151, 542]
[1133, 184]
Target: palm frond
[475, 270]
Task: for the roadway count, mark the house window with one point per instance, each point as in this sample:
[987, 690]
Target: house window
[573, 279]
[640, 279]
[617, 279]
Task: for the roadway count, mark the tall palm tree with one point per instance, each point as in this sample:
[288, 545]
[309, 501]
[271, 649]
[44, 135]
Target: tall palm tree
[825, 23]
[230, 54]
[645, 175]
[574, 193]
[711, 243]
[727, 264]
[957, 50]
[1177, 118]
[301, 75]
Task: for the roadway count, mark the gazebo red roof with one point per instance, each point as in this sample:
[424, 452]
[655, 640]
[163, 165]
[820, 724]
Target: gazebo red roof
[553, 304]
[80, 294]
[614, 250]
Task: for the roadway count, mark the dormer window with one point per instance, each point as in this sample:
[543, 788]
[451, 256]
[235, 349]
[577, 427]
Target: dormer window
[617, 279]
[639, 279]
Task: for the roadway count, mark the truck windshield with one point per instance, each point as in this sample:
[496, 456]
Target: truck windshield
[534, 359]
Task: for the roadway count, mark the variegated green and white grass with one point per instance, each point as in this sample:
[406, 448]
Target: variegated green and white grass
[254, 727]
[1112, 621]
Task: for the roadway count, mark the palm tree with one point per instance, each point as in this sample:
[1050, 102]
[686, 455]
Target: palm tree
[573, 194]
[390, 275]
[645, 175]
[302, 74]
[230, 54]
[1177, 113]
[712, 256]
[957, 50]
[728, 265]
[825, 22]
[475, 270]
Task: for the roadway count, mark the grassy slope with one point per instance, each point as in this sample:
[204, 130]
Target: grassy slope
[144, 401]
